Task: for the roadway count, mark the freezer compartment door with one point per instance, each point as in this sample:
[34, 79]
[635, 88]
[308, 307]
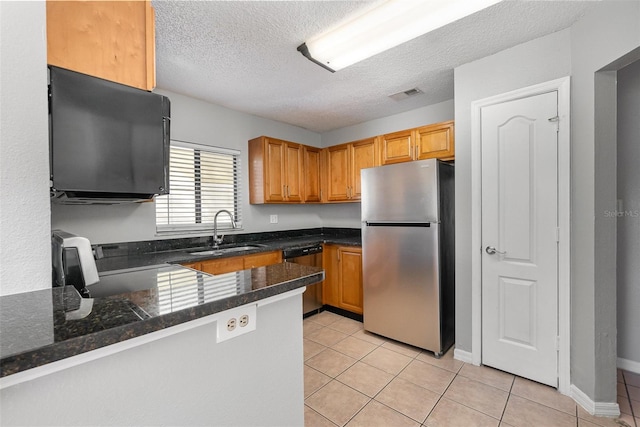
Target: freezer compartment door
[401, 283]
[401, 192]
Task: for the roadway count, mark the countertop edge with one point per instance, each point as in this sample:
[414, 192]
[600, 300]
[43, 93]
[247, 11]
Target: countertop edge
[27, 360]
[131, 342]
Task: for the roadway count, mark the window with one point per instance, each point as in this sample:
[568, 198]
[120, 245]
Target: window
[203, 180]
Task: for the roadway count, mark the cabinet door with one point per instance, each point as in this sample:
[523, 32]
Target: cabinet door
[396, 147]
[362, 155]
[274, 163]
[113, 40]
[337, 173]
[330, 285]
[312, 162]
[222, 265]
[350, 265]
[293, 179]
[435, 141]
[262, 259]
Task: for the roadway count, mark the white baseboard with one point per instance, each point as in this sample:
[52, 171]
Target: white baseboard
[629, 365]
[463, 356]
[599, 409]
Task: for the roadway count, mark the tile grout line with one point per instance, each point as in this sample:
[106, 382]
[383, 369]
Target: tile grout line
[413, 358]
[626, 389]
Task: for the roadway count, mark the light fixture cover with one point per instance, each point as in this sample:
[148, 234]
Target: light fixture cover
[383, 27]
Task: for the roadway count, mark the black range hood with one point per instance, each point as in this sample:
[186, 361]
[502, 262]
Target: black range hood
[109, 143]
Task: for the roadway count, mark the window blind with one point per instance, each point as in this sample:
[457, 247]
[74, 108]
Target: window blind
[203, 180]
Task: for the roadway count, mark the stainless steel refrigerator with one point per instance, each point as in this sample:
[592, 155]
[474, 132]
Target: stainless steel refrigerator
[408, 253]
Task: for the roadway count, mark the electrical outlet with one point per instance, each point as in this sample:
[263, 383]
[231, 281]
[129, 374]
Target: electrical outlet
[235, 322]
[273, 219]
[244, 321]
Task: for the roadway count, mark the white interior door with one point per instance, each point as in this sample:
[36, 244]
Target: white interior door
[520, 237]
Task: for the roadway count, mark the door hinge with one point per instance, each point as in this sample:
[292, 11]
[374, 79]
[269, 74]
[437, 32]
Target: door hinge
[557, 234]
[558, 343]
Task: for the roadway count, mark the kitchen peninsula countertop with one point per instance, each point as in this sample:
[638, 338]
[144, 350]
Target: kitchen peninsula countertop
[45, 326]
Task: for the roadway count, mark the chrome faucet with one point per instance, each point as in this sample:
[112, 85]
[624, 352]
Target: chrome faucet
[218, 239]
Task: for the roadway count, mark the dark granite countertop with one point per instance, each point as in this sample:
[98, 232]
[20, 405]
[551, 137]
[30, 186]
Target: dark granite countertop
[141, 254]
[44, 326]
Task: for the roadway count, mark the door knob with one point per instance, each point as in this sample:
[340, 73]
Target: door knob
[492, 251]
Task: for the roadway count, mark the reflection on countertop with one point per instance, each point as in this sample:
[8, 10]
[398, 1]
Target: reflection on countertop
[44, 326]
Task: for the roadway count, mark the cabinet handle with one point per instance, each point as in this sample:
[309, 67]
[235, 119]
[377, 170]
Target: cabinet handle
[284, 191]
[288, 192]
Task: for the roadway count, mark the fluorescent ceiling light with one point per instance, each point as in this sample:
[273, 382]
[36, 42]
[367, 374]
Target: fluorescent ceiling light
[383, 27]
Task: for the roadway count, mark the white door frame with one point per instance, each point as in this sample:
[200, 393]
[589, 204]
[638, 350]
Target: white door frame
[564, 221]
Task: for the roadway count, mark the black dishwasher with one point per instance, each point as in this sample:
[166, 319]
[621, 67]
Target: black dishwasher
[308, 255]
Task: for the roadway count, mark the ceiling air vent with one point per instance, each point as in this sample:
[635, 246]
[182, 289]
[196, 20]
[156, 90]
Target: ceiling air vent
[405, 94]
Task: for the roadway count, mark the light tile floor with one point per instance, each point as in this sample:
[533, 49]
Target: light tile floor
[355, 378]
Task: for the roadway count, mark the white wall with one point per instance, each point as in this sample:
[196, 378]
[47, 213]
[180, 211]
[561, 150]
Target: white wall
[201, 122]
[410, 119]
[198, 121]
[186, 379]
[628, 234]
[606, 33]
[537, 61]
[25, 251]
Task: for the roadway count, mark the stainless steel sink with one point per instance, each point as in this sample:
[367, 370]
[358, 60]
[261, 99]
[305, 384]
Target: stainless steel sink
[222, 251]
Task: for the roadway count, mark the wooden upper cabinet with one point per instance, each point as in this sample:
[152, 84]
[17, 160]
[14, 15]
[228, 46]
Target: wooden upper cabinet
[293, 179]
[435, 141]
[364, 154]
[113, 40]
[275, 171]
[312, 167]
[397, 147]
[337, 172]
[344, 163]
[287, 172]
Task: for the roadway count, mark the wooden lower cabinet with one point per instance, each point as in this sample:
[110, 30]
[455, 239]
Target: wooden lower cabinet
[222, 265]
[227, 265]
[342, 286]
[262, 259]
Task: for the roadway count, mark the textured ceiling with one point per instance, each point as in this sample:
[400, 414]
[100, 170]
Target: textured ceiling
[242, 55]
